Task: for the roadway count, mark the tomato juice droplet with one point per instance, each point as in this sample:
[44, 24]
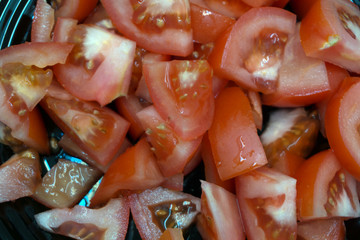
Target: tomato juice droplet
[172, 214]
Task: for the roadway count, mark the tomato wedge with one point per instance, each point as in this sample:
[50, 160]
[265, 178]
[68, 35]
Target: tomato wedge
[172, 152]
[108, 222]
[220, 215]
[65, 184]
[254, 64]
[330, 31]
[43, 22]
[155, 210]
[157, 26]
[98, 131]
[19, 176]
[271, 212]
[100, 60]
[333, 229]
[233, 136]
[342, 125]
[181, 91]
[325, 189]
[135, 169]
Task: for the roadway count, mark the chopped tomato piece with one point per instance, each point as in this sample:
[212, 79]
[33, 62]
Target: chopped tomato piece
[233, 136]
[263, 3]
[333, 229]
[38, 54]
[155, 210]
[287, 163]
[98, 131]
[65, 184]
[101, 60]
[158, 26]
[70, 147]
[220, 215]
[19, 176]
[330, 31]
[181, 91]
[171, 151]
[108, 222]
[256, 106]
[271, 212]
[43, 22]
[294, 130]
[254, 64]
[207, 25]
[302, 80]
[135, 169]
[342, 124]
[211, 173]
[325, 189]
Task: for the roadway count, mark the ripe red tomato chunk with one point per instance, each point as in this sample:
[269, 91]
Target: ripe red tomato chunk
[267, 201]
[325, 189]
[182, 94]
[254, 64]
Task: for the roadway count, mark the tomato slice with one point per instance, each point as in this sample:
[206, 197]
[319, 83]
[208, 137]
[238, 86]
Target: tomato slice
[19, 176]
[330, 31]
[65, 184]
[263, 3]
[155, 210]
[95, 62]
[233, 136]
[333, 228]
[207, 25]
[342, 121]
[181, 91]
[43, 22]
[271, 212]
[302, 80]
[325, 189]
[171, 151]
[254, 64]
[108, 222]
[77, 9]
[135, 169]
[160, 27]
[98, 131]
[220, 215]
[288, 163]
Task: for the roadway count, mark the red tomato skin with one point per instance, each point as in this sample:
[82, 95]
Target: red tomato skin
[43, 22]
[172, 234]
[234, 141]
[337, 124]
[208, 25]
[230, 8]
